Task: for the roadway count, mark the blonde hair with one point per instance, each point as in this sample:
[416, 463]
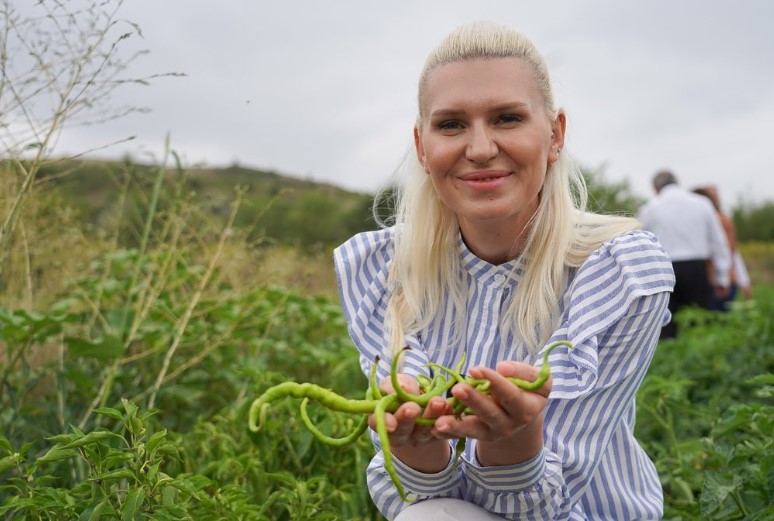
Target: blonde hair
[426, 268]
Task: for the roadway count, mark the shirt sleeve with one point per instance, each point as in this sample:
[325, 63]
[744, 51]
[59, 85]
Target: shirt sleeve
[614, 310]
[742, 276]
[362, 267]
[720, 249]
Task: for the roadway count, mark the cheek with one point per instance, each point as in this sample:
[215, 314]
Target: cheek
[436, 160]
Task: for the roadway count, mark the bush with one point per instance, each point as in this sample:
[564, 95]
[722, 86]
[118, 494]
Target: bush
[705, 414]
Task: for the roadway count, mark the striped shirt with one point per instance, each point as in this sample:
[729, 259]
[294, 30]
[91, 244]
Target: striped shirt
[612, 310]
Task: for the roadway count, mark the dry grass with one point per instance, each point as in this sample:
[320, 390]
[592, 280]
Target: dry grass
[48, 247]
[308, 273]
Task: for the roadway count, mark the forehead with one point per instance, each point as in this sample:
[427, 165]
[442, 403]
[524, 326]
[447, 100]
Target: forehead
[480, 81]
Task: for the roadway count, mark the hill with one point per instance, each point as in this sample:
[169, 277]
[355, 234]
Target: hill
[276, 207]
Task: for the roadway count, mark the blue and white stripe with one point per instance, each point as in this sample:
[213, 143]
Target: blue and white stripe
[591, 467]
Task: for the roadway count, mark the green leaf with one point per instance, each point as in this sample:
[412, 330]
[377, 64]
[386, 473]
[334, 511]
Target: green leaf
[105, 349]
[116, 474]
[762, 379]
[169, 496]
[57, 453]
[116, 457]
[100, 509]
[119, 319]
[155, 439]
[5, 444]
[9, 462]
[129, 407]
[716, 490]
[90, 438]
[136, 426]
[153, 472]
[168, 449]
[62, 439]
[133, 504]
[109, 412]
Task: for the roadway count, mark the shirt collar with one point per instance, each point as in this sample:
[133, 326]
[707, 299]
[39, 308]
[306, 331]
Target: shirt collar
[507, 274]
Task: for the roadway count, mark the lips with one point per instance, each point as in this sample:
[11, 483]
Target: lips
[485, 175]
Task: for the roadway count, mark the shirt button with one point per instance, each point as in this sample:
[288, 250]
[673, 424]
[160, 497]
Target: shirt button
[499, 279]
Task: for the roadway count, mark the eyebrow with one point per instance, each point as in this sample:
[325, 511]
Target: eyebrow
[445, 113]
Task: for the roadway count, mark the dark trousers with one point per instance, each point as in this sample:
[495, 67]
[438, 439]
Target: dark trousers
[722, 304]
[691, 289]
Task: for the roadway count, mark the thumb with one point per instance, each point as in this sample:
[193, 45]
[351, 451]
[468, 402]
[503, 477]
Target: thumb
[510, 368]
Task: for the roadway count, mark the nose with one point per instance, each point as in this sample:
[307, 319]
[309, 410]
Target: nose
[481, 145]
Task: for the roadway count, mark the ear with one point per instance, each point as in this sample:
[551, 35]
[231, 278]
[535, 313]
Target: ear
[558, 128]
[419, 148]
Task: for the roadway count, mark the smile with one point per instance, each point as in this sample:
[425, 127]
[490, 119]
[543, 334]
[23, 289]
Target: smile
[481, 177]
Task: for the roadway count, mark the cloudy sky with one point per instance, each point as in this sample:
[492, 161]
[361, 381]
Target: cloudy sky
[326, 90]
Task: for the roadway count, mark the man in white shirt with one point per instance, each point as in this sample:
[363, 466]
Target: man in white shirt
[690, 231]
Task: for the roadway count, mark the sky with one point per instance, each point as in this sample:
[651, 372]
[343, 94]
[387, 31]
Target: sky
[327, 90]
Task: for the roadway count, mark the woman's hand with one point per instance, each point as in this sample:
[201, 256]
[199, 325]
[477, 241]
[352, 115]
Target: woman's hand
[411, 443]
[508, 424]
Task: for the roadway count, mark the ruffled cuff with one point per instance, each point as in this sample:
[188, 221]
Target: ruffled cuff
[505, 478]
[443, 483]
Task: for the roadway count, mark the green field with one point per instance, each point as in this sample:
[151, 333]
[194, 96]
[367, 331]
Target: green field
[132, 345]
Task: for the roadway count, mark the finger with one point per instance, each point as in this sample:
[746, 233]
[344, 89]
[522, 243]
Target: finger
[519, 406]
[389, 421]
[469, 426]
[405, 418]
[436, 407]
[487, 410]
[526, 372]
[518, 370]
[407, 383]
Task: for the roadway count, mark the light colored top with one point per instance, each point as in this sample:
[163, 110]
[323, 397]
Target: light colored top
[740, 268]
[591, 467]
[688, 227]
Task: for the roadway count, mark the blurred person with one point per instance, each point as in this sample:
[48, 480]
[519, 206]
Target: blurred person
[690, 231]
[743, 281]
[491, 257]
[716, 302]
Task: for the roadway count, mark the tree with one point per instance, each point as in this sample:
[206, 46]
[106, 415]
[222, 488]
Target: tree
[754, 222]
[610, 197]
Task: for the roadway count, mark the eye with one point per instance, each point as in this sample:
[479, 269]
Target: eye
[508, 118]
[449, 124]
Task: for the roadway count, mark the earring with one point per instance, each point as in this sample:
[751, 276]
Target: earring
[558, 151]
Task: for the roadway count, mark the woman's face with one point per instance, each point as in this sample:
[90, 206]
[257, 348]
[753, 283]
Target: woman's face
[486, 141]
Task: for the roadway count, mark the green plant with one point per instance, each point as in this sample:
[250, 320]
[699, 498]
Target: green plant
[224, 471]
[705, 414]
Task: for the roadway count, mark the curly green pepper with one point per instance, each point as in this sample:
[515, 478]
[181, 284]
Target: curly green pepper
[379, 404]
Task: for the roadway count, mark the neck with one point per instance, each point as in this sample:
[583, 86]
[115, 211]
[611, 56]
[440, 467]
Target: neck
[494, 244]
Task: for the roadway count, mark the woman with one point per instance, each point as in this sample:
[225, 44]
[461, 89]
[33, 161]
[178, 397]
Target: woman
[493, 256]
[719, 300]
